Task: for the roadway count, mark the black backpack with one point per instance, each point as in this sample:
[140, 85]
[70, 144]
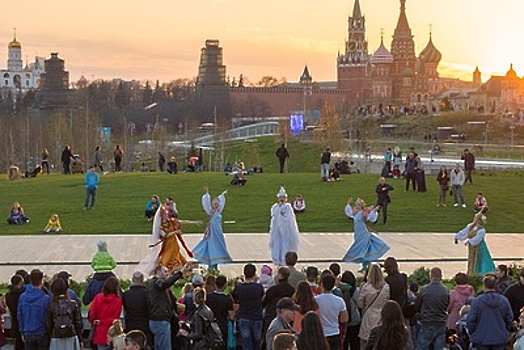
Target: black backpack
[212, 334]
[63, 325]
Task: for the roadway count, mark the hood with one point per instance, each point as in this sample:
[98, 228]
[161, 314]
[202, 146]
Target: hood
[465, 290]
[33, 294]
[491, 299]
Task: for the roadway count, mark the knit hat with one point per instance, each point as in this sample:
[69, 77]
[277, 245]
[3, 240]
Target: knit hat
[102, 245]
[266, 270]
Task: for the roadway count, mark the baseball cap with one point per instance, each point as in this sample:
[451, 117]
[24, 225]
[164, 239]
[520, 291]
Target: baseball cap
[197, 280]
[287, 303]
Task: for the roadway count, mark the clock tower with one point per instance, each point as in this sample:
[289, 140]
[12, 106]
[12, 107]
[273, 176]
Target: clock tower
[353, 65]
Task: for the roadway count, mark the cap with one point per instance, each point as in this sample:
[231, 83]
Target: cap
[101, 244]
[63, 275]
[266, 270]
[312, 272]
[197, 280]
[287, 303]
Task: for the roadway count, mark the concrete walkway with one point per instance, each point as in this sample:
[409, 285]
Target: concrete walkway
[52, 253]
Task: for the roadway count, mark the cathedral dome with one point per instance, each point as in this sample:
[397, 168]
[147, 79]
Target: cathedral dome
[407, 72]
[382, 55]
[511, 72]
[430, 54]
[15, 44]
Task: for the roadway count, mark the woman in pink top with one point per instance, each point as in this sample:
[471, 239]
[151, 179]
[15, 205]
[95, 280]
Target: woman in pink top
[457, 298]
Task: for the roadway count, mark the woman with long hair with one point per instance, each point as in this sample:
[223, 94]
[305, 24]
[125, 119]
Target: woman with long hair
[373, 295]
[312, 336]
[443, 186]
[392, 333]
[106, 308]
[350, 293]
[306, 300]
[64, 320]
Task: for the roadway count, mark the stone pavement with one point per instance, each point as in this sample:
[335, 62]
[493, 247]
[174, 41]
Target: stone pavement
[52, 253]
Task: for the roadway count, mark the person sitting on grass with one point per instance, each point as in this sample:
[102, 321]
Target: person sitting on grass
[53, 224]
[152, 207]
[480, 204]
[238, 177]
[299, 204]
[17, 215]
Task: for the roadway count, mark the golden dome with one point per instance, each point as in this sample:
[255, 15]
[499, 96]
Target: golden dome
[15, 44]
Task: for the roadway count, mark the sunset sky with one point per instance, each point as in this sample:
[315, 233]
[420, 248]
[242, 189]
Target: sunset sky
[161, 39]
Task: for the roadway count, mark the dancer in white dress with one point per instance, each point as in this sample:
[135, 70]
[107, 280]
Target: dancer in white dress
[283, 230]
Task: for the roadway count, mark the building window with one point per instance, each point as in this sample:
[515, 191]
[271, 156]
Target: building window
[6, 75]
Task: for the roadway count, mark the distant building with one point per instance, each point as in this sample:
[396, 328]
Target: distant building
[54, 87]
[19, 78]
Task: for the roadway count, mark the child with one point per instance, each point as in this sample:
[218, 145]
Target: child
[53, 224]
[299, 204]
[116, 335]
[102, 261]
[17, 215]
[266, 277]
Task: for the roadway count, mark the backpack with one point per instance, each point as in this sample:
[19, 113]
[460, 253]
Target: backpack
[212, 334]
[63, 325]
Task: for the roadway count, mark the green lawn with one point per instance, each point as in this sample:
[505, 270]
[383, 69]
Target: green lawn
[122, 198]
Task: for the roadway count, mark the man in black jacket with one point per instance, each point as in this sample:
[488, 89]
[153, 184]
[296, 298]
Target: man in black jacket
[515, 295]
[282, 155]
[160, 301]
[13, 295]
[383, 198]
[135, 306]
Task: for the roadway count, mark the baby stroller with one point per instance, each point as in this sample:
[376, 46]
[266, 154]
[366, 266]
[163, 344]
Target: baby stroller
[77, 165]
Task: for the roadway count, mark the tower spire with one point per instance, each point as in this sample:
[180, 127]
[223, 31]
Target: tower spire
[356, 10]
[402, 28]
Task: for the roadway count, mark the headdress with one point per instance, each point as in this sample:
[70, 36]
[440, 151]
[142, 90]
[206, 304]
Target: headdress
[480, 218]
[360, 202]
[282, 193]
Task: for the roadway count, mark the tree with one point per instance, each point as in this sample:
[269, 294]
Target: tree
[329, 132]
[268, 81]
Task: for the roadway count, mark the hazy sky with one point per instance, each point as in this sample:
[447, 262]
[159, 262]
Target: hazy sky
[161, 39]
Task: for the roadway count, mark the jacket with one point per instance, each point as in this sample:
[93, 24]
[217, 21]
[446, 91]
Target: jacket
[32, 311]
[278, 325]
[105, 309]
[383, 193]
[457, 177]
[12, 297]
[199, 323]
[91, 179]
[489, 319]
[432, 303]
[159, 303]
[103, 262]
[95, 286]
[515, 295]
[64, 306]
[135, 306]
[457, 299]
[273, 295]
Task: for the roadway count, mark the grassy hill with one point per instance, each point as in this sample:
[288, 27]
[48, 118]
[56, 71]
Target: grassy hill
[122, 198]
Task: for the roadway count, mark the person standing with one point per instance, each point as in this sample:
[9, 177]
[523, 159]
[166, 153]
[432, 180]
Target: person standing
[489, 318]
[275, 293]
[248, 296]
[469, 164]
[285, 313]
[97, 159]
[479, 258]
[66, 159]
[410, 171]
[283, 229]
[118, 155]
[515, 295]
[332, 311]
[32, 313]
[282, 155]
[91, 180]
[45, 161]
[212, 249]
[443, 186]
[457, 181]
[325, 159]
[200, 160]
[432, 305]
[12, 297]
[222, 306]
[160, 301]
[161, 162]
[134, 302]
[383, 199]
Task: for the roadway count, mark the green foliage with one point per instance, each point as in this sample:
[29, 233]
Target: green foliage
[420, 275]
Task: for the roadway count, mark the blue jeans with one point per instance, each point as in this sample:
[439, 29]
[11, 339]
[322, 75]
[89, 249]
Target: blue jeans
[162, 333]
[324, 170]
[457, 190]
[37, 342]
[251, 333]
[431, 336]
[90, 192]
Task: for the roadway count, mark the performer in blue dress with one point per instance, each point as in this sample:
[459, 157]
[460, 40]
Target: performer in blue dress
[212, 249]
[479, 258]
[367, 246]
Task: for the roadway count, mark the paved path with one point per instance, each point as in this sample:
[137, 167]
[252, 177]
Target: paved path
[52, 253]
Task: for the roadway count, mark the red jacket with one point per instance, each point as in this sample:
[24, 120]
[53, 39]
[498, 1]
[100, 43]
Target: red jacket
[106, 309]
